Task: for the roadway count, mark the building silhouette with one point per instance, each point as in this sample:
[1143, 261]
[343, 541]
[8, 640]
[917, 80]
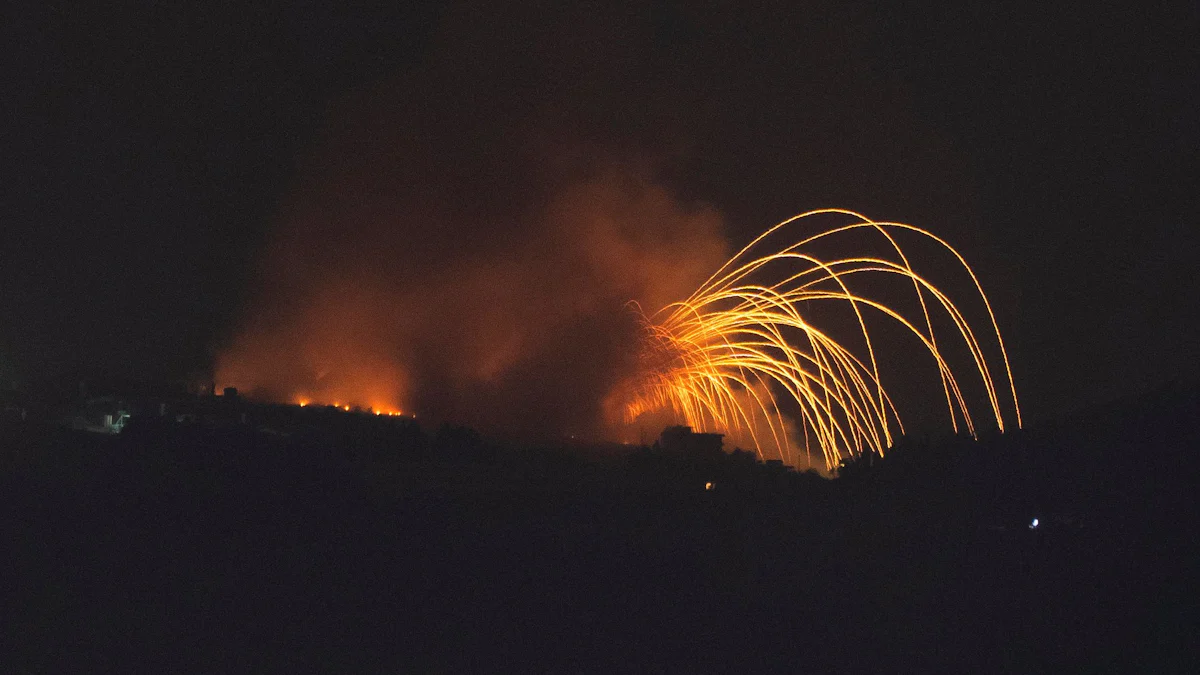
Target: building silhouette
[681, 440]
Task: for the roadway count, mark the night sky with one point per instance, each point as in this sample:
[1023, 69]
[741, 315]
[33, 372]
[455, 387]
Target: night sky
[156, 161]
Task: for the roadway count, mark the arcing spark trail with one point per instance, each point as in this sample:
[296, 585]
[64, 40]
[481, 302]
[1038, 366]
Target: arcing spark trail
[739, 351]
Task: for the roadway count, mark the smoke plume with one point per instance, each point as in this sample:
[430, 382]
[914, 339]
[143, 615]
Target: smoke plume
[464, 267]
[512, 320]
[460, 241]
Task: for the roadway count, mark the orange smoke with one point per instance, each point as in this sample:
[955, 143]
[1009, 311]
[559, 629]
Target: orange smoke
[331, 351]
[525, 335]
[457, 244]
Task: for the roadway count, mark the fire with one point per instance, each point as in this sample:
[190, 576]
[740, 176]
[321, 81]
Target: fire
[328, 355]
[378, 410]
[384, 300]
[740, 348]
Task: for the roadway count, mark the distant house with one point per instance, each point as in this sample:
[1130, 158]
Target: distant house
[681, 440]
[778, 465]
[103, 415]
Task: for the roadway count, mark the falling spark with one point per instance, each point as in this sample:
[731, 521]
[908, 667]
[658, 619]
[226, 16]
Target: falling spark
[739, 351]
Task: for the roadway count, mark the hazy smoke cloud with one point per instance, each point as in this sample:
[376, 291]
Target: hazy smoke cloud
[514, 323]
[461, 240]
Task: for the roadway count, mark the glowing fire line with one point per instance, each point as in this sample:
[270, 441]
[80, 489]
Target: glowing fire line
[721, 357]
[380, 411]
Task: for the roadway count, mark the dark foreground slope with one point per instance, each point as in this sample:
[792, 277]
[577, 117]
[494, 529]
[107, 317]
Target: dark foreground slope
[230, 550]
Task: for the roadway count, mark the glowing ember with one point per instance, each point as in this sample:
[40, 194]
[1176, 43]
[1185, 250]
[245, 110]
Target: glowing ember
[728, 357]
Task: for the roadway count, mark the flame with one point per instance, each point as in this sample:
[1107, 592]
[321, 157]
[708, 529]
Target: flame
[377, 409]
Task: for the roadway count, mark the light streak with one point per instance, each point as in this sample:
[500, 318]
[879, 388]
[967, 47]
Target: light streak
[740, 351]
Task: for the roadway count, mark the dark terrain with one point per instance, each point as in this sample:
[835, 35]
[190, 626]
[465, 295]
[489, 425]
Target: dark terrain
[223, 549]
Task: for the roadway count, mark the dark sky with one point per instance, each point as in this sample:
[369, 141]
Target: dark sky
[152, 155]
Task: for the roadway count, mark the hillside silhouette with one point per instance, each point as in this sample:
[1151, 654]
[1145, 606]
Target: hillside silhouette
[338, 542]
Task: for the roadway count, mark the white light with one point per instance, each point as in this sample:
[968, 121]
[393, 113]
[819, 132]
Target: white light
[1034, 524]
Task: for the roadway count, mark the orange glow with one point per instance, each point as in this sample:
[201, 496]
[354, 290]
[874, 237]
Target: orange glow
[726, 358]
[331, 354]
[377, 410]
[379, 302]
